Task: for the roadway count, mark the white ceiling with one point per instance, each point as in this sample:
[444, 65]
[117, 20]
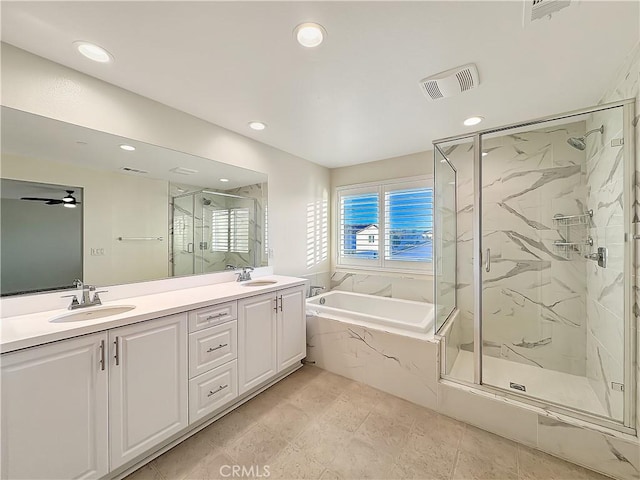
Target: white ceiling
[355, 98]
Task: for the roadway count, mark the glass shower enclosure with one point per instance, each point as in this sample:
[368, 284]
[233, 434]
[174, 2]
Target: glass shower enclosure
[543, 215]
[211, 230]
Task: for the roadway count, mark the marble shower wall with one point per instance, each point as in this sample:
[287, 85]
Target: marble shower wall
[186, 219]
[626, 85]
[534, 296]
[605, 286]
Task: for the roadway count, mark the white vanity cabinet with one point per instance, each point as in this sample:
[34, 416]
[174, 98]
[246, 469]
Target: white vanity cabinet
[148, 382]
[88, 406]
[271, 335]
[213, 350]
[291, 327]
[256, 340]
[55, 410]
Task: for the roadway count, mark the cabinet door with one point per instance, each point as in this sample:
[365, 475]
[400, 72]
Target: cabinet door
[55, 410]
[147, 385]
[292, 327]
[256, 340]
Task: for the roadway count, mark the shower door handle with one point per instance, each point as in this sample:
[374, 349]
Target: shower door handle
[487, 264]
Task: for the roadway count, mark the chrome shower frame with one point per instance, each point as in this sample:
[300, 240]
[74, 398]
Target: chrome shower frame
[627, 425]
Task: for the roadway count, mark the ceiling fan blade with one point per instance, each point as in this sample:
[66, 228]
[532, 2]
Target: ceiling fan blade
[38, 199]
[54, 202]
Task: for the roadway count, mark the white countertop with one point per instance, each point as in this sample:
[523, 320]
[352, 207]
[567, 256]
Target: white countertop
[24, 331]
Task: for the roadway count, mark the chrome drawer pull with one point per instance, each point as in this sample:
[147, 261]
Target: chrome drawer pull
[217, 315]
[117, 355]
[102, 359]
[220, 388]
[213, 349]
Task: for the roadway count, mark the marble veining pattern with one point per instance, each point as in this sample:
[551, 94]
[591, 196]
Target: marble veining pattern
[534, 294]
[191, 224]
[402, 366]
[418, 289]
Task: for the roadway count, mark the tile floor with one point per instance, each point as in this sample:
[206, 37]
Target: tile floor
[315, 424]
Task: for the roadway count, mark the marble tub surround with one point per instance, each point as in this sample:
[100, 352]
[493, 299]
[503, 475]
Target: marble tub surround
[398, 364]
[315, 424]
[405, 287]
[321, 279]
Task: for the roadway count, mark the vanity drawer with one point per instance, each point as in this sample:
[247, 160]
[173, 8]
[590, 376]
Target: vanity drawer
[211, 347]
[212, 390]
[214, 315]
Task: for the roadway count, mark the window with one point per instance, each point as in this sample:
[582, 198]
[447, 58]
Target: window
[230, 230]
[387, 225]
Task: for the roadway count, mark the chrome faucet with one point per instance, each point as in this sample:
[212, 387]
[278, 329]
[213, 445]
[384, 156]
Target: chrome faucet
[315, 290]
[245, 274]
[88, 296]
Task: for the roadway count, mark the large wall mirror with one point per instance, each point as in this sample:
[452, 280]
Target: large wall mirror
[140, 212]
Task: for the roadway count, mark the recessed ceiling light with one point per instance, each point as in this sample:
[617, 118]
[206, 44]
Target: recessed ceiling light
[128, 148]
[257, 125]
[484, 154]
[473, 121]
[310, 34]
[224, 179]
[93, 52]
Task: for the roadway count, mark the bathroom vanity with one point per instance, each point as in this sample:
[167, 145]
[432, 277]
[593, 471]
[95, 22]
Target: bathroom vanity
[93, 398]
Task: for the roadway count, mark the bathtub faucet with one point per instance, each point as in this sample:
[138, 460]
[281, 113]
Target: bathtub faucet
[315, 290]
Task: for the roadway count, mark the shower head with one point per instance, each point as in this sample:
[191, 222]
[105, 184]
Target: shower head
[580, 142]
[206, 201]
[577, 142]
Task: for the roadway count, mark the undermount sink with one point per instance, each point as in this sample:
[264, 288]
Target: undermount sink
[91, 313]
[259, 283]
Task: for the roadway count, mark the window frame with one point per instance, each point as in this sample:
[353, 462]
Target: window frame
[380, 263]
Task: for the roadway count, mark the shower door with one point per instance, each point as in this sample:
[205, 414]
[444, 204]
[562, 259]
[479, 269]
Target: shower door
[553, 232]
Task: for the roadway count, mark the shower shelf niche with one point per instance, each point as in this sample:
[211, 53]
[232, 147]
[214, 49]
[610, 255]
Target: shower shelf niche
[561, 220]
[566, 246]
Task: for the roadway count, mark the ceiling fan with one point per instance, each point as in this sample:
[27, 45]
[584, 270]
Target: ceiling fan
[68, 201]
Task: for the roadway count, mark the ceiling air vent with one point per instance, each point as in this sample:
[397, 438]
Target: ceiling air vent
[451, 82]
[183, 171]
[538, 9]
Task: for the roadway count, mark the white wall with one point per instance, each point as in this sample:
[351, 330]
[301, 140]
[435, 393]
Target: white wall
[36, 85]
[114, 205]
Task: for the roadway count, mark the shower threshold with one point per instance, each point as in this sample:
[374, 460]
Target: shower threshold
[561, 388]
